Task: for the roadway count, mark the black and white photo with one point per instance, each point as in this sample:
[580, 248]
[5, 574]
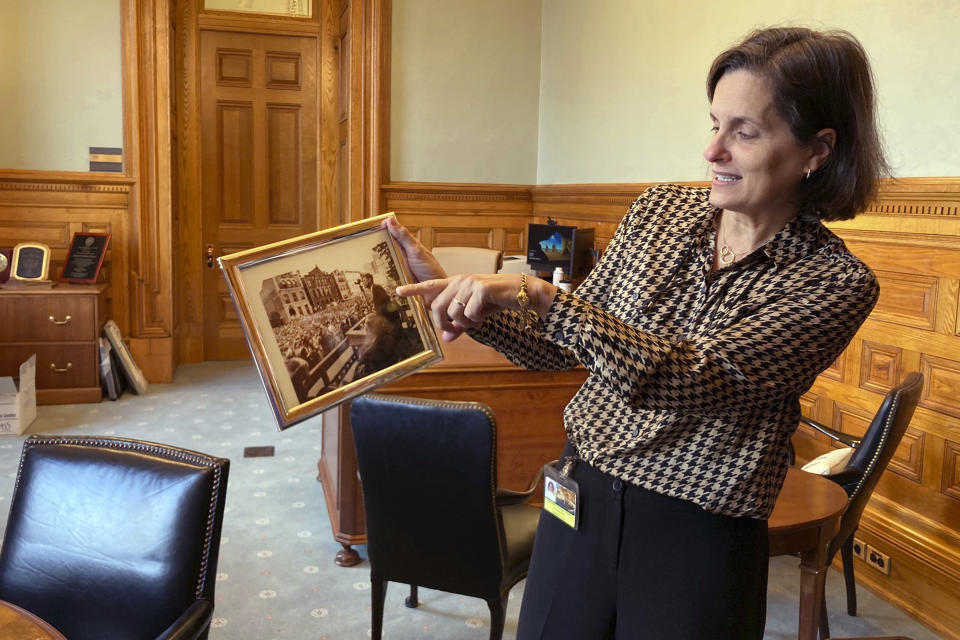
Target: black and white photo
[322, 318]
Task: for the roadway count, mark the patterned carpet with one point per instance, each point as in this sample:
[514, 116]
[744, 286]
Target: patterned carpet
[276, 577]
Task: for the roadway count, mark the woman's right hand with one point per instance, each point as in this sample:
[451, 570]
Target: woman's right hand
[422, 263]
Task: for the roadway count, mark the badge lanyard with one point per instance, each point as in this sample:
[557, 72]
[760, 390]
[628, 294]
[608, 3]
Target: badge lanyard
[561, 494]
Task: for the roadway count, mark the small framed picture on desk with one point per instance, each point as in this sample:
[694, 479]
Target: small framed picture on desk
[31, 262]
[85, 257]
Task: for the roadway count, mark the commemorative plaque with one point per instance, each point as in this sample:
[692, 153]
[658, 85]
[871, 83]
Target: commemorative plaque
[85, 258]
[31, 261]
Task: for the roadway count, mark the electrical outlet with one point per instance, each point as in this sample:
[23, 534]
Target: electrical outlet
[878, 560]
[859, 549]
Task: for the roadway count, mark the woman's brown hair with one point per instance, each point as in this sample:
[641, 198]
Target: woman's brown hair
[819, 80]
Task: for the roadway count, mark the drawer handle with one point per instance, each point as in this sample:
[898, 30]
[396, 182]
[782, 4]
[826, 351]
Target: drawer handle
[64, 321]
[69, 366]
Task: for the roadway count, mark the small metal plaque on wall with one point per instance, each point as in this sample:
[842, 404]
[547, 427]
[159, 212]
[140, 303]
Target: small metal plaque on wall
[106, 159]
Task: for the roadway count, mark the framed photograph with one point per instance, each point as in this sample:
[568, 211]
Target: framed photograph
[322, 320]
[131, 372]
[31, 262]
[85, 257]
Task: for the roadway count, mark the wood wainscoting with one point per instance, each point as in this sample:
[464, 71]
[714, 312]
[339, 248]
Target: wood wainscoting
[492, 216]
[911, 238]
[52, 207]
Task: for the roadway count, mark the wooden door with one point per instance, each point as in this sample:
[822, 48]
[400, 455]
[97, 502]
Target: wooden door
[259, 159]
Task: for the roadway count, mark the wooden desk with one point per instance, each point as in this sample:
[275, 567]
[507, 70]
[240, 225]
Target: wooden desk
[805, 518]
[62, 325]
[528, 406]
[19, 624]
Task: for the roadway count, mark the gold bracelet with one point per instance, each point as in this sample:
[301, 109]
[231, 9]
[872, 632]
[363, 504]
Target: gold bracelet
[523, 301]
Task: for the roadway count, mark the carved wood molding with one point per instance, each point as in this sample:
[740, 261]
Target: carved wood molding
[950, 482]
[258, 23]
[84, 187]
[927, 540]
[147, 133]
[936, 197]
[466, 192]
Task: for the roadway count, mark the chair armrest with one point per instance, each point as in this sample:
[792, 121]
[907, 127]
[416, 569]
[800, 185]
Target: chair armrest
[191, 624]
[846, 439]
[509, 496]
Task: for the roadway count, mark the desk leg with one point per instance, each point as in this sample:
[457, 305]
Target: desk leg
[813, 574]
[813, 577]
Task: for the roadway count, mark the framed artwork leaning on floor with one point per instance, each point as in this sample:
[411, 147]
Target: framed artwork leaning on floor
[322, 319]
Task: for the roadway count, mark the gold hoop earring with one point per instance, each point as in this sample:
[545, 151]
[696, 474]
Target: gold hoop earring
[808, 174]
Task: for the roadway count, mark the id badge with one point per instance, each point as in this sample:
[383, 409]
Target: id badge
[561, 496]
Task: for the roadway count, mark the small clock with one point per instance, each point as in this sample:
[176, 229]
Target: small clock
[31, 262]
[6, 256]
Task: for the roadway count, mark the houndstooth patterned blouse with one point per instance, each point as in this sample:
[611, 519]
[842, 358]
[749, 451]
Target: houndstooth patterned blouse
[695, 376]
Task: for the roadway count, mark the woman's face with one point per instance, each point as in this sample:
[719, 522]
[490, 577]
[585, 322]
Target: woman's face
[756, 161]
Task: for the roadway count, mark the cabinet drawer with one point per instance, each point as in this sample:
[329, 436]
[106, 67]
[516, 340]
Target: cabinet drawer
[32, 318]
[58, 366]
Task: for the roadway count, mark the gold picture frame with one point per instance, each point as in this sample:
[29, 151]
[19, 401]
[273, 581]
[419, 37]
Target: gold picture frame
[322, 320]
[31, 262]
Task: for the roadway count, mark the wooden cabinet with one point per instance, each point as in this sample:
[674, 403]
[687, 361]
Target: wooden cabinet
[62, 326]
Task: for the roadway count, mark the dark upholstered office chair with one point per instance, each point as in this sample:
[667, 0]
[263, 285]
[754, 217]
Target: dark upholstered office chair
[435, 517]
[110, 538]
[862, 473]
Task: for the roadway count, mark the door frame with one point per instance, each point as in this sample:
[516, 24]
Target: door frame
[369, 148]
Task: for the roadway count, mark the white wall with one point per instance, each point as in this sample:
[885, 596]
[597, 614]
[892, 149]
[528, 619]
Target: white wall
[621, 84]
[464, 90]
[60, 82]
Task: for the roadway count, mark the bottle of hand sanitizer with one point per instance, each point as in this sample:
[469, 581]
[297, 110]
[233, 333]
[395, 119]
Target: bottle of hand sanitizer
[557, 276]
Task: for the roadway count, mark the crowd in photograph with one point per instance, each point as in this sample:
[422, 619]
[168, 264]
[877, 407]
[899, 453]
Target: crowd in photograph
[345, 339]
[313, 336]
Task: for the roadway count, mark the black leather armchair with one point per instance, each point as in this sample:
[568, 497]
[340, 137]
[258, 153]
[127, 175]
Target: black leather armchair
[434, 515]
[110, 538]
[862, 473]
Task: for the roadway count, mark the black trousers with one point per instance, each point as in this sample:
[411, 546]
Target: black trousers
[644, 566]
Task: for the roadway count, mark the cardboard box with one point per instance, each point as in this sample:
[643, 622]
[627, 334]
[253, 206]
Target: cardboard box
[18, 407]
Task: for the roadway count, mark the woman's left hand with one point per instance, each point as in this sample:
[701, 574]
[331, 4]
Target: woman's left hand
[464, 302]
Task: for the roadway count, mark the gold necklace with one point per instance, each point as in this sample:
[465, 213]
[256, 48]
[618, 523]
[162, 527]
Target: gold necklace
[727, 255]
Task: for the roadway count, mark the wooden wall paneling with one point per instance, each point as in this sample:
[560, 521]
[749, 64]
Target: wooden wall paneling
[147, 157]
[49, 207]
[329, 69]
[950, 476]
[918, 558]
[941, 385]
[911, 238]
[491, 216]
[190, 264]
[880, 366]
[368, 39]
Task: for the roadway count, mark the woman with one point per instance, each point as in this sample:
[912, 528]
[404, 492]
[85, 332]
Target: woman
[711, 312]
